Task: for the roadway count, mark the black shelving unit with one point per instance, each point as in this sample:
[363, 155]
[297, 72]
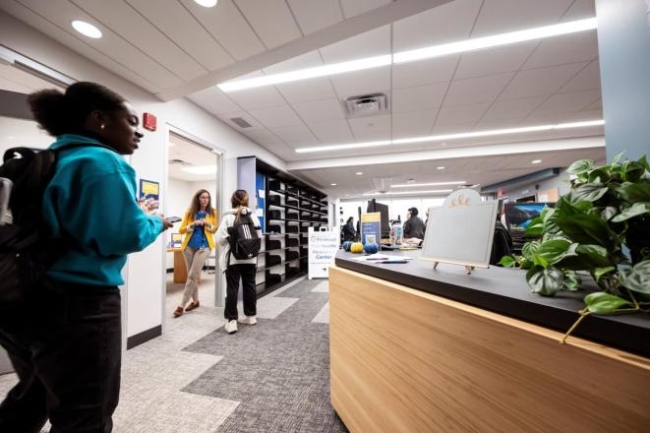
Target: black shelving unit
[290, 208]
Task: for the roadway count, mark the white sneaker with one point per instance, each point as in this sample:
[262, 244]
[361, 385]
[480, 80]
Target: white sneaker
[231, 327]
[248, 320]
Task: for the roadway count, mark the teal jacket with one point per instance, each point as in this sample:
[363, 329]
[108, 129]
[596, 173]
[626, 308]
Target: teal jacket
[92, 199]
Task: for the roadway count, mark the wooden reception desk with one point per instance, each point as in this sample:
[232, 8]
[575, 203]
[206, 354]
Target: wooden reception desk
[405, 359]
[180, 269]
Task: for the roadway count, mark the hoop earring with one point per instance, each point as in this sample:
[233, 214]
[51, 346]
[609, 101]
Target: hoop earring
[102, 126]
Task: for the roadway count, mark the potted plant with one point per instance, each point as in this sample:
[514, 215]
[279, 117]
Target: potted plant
[601, 227]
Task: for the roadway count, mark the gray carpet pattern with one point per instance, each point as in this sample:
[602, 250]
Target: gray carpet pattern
[278, 370]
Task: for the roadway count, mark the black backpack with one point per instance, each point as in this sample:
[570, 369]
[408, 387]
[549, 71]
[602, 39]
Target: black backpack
[27, 248]
[243, 238]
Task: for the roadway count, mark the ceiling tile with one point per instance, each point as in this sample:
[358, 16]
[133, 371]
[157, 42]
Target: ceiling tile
[475, 90]
[598, 104]
[271, 20]
[362, 82]
[174, 20]
[356, 7]
[276, 117]
[544, 119]
[371, 128]
[257, 98]
[334, 132]
[314, 15]
[540, 82]
[461, 114]
[214, 100]
[567, 102]
[579, 47]
[581, 9]
[320, 111]
[425, 72]
[511, 108]
[586, 115]
[450, 22]
[133, 27]
[369, 44]
[418, 98]
[588, 78]
[413, 124]
[109, 49]
[307, 90]
[450, 128]
[497, 123]
[494, 60]
[262, 136]
[295, 133]
[229, 27]
[500, 16]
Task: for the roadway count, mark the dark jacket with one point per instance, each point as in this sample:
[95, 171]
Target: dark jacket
[501, 245]
[414, 228]
[348, 232]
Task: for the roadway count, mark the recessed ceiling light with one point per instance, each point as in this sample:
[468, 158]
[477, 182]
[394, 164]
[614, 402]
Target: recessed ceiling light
[460, 182]
[359, 173]
[441, 167]
[333, 184]
[87, 29]
[487, 133]
[536, 161]
[206, 3]
[412, 55]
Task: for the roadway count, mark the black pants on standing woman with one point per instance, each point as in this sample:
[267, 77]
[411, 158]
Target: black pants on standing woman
[247, 274]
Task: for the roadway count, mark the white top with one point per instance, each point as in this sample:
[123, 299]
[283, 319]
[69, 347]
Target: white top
[222, 235]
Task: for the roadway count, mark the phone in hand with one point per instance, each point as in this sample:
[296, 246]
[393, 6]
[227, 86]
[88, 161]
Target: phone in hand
[174, 219]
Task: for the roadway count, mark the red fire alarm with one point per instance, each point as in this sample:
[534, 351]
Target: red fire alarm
[149, 121]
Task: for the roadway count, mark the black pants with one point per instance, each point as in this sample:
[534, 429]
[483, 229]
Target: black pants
[247, 275]
[65, 346]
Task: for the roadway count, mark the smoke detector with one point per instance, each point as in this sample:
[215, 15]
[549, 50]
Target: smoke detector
[366, 105]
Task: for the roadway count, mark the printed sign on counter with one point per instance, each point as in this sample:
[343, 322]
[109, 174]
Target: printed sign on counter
[322, 249]
[371, 227]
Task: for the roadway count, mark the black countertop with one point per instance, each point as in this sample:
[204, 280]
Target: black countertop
[506, 292]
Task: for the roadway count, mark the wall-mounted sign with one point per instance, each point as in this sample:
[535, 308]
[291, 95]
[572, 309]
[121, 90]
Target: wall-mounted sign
[461, 230]
[149, 121]
[149, 189]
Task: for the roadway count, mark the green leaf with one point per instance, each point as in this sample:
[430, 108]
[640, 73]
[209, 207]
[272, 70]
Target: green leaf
[545, 282]
[609, 212]
[599, 272]
[572, 281]
[634, 211]
[508, 262]
[644, 162]
[587, 229]
[536, 227]
[589, 192]
[580, 167]
[528, 250]
[554, 251]
[604, 303]
[634, 192]
[637, 278]
[632, 171]
[617, 158]
[594, 256]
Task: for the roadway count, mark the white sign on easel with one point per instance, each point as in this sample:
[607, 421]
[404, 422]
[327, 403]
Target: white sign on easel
[322, 249]
[461, 231]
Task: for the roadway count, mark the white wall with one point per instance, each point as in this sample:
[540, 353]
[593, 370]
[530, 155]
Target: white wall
[143, 291]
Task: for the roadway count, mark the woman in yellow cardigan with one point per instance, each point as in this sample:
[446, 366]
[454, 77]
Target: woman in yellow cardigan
[198, 226]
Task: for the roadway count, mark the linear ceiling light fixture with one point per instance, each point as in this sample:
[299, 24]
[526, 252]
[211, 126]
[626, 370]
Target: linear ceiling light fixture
[433, 191]
[412, 55]
[451, 136]
[87, 29]
[460, 182]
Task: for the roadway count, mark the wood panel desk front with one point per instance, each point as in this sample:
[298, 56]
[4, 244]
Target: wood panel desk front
[403, 360]
[180, 269]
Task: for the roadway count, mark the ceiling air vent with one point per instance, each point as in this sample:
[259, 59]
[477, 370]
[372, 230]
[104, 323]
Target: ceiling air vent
[239, 121]
[366, 105]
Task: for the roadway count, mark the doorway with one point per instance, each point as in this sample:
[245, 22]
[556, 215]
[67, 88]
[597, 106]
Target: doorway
[193, 165]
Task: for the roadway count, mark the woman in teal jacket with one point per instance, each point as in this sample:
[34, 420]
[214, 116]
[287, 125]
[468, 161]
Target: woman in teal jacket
[65, 340]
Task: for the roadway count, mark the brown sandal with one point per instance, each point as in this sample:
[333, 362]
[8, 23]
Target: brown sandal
[192, 305]
[178, 311]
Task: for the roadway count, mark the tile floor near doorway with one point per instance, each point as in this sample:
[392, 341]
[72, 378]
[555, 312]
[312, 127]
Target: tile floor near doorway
[272, 377]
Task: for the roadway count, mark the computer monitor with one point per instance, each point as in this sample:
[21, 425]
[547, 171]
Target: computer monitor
[519, 215]
[373, 206]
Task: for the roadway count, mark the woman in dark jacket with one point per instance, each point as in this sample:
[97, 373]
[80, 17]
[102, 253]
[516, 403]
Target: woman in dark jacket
[349, 233]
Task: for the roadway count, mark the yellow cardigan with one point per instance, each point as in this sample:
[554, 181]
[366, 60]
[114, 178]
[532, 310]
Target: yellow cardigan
[188, 218]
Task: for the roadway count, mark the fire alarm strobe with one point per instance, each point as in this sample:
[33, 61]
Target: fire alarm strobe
[149, 121]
